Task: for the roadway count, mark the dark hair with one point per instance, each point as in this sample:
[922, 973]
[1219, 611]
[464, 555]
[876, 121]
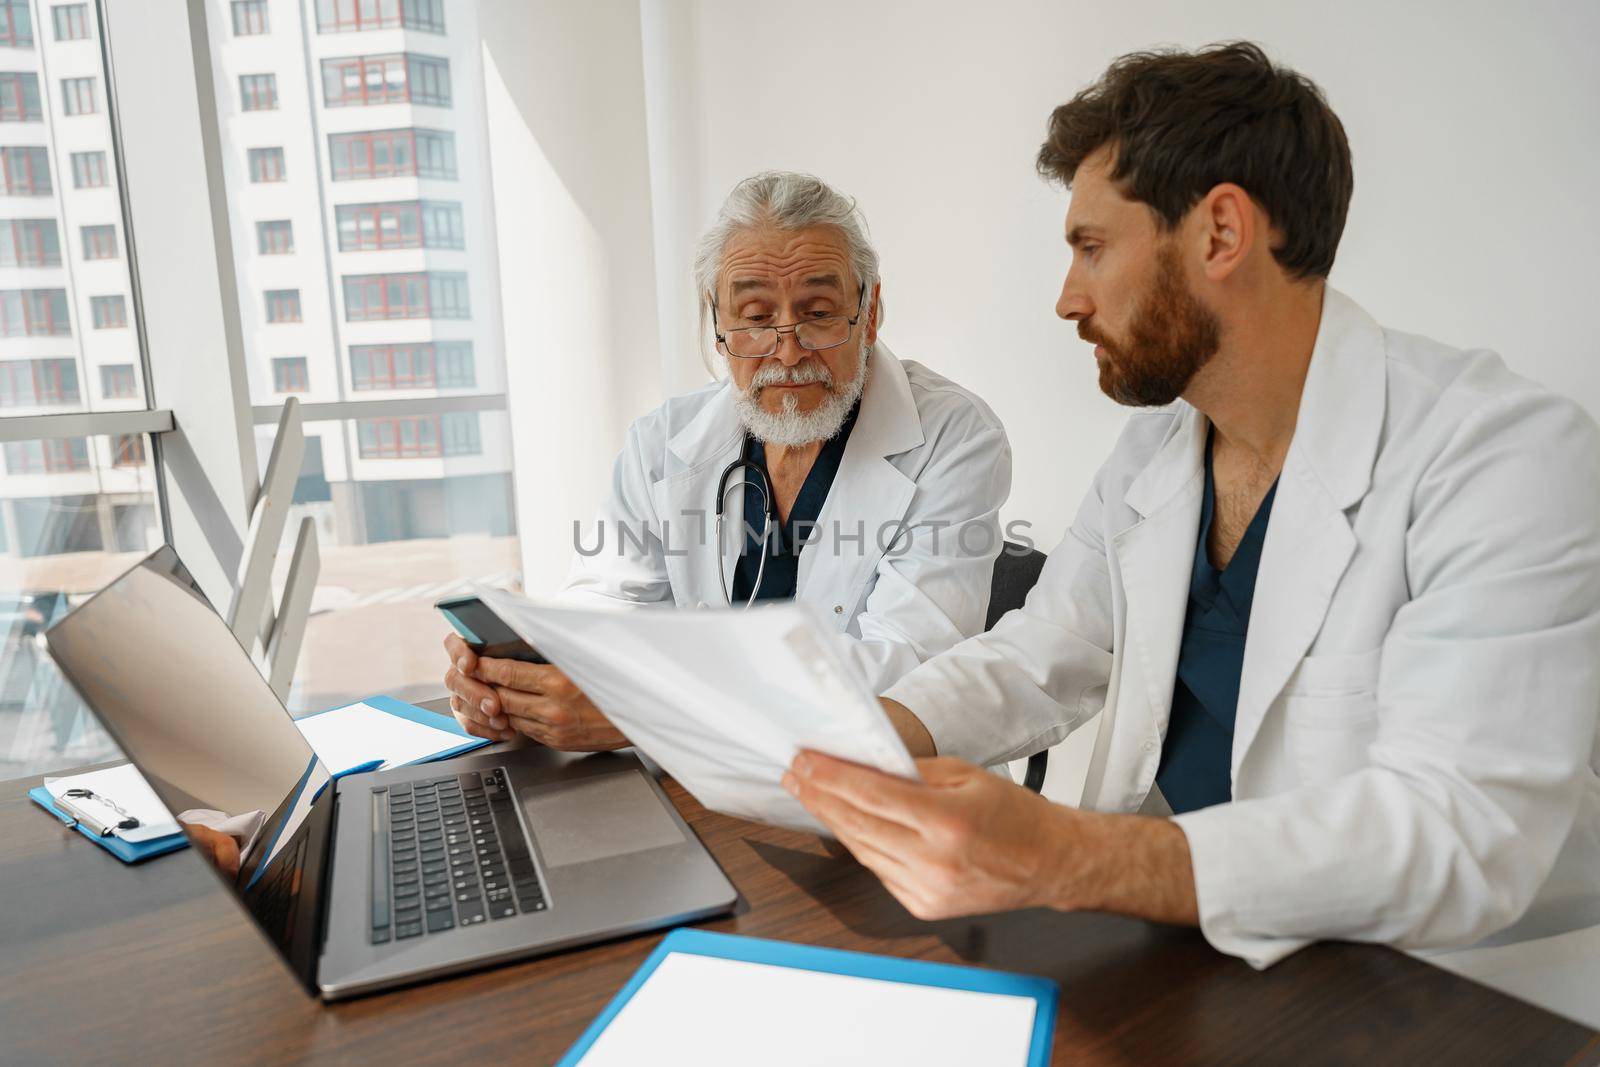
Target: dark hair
[1180, 123]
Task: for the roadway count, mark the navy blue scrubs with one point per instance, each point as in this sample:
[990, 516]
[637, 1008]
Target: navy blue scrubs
[1196, 757]
[782, 575]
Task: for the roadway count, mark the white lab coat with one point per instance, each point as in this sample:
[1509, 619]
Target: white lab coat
[1415, 748]
[924, 453]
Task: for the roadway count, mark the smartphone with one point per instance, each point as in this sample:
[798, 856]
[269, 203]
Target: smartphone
[484, 632]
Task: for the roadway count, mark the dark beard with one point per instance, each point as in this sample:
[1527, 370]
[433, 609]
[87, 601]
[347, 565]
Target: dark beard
[1172, 336]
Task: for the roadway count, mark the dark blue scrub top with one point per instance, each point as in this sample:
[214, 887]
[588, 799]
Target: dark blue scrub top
[1196, 758]
[782, 575]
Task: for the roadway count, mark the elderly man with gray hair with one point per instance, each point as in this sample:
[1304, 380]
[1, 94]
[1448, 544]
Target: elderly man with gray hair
[867, 486]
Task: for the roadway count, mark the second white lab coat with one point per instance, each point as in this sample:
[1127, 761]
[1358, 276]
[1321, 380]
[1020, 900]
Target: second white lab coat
[905, 543]
[1415, 749]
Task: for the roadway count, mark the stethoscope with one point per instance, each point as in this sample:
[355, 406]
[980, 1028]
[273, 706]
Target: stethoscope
[764, 487]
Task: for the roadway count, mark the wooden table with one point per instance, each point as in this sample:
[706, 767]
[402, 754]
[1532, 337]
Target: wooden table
[101, 963]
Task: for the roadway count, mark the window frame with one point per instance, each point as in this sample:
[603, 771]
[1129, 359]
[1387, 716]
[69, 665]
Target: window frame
[258, 92]
[76, 19]
[80, 96]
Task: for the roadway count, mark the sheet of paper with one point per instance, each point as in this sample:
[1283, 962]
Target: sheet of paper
[126, 788]
[360, 733]
[722, 700]
[711, 1011]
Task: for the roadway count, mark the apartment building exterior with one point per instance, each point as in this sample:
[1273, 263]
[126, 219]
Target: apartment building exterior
[67, 341]
[357, 165]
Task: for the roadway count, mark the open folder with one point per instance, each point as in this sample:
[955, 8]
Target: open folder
[722, 700]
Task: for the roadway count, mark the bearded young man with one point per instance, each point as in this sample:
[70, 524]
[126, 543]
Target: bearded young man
[882, 480]
[1339, 602]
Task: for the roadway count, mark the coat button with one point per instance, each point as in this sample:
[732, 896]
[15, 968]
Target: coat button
[838, 609]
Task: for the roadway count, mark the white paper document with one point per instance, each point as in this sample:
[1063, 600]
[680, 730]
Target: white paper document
[128, 790]
[712, 1012]
[722, 700]
[348, 737]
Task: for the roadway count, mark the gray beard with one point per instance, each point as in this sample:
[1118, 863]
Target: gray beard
[791, 428]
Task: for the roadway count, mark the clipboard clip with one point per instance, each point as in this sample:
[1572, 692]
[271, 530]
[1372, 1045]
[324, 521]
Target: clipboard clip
[81, 816]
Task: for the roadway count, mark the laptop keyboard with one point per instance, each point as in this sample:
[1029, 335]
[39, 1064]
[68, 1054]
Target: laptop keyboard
[448, 852]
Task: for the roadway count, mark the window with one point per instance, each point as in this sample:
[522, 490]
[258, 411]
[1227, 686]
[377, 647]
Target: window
[283, 305]
[34, 313]
[127, 450]
[33, 382]
[16, 24]
[24, 171]
[266, 164]
[117, 381]
[77, 96]
[99, 242]
[433, 365]
[342, 16]
[401, 224]
[393, 153]
[88, 170]
[29, 243]
[47, 457]
[249, 17]
[275, 238]
[289, 375]
[71, 21]
[355, 81]
[432, 295]
[19, 98]
[258, 92]
[419, 436]
[109, 312]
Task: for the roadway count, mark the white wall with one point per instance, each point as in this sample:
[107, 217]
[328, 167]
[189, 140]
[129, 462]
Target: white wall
[1473, 128]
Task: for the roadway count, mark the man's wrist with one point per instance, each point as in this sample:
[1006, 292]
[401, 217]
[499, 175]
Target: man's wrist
[1128, 864]
[915, 736]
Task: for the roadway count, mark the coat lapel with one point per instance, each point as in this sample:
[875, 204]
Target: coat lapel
[1309, 540]
[869, 494]
[685, 502]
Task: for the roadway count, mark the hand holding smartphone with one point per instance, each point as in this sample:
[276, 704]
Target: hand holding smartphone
[484, 631]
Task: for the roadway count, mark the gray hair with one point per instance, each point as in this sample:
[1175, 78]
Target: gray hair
[783, 200]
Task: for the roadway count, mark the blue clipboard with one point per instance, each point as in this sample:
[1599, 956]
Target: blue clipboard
[126, 851]
[400, 709]
[1043, 991]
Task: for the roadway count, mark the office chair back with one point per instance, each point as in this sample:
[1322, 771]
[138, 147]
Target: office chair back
[1016, 570]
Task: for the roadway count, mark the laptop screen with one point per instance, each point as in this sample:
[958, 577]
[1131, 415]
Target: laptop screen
[170, 682]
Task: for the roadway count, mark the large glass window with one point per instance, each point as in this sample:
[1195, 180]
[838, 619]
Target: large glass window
[289, 374]
[108, 312]
[415, 153]
[283, 305]
[401, 224]
[118, 381]
[29, 243]
[78, 96]
[38, 382]
[258, 92]
[16, 24]
[396, 77]
[431, 365]
[71, 21]
[266, 165]
[345, 16]
[34, 313]
[275, 237]
[88, 170]
[427, 295]
[99, 242]
[24, 171]
[250, 18]
[19, 97]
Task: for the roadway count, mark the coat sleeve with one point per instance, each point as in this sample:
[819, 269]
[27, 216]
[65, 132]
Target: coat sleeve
[1041, 672]
[1487, 703]
[621, 560]
[931, 589]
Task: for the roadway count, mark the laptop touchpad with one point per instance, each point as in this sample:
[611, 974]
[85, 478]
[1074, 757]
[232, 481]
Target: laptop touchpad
[593, 818]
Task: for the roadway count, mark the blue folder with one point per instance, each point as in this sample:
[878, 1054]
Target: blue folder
[401, 709]
[1043, 991]
[130, 852]
[126, 851]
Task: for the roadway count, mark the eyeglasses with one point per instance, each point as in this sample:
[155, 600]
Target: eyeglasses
[814, 335]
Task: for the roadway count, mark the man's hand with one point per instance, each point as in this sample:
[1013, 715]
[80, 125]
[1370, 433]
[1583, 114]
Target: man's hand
[499, 696]
[964, 842]
[220, 848]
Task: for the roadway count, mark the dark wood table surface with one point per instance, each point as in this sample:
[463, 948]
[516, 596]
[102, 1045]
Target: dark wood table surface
[155, 964]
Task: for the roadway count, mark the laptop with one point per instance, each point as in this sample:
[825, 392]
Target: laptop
[373, 880]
